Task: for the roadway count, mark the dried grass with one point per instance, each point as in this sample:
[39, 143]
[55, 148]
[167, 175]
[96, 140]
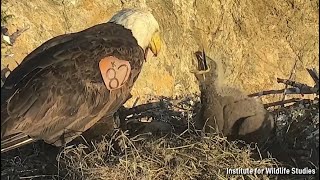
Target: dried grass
[182, 154]
[189, 156]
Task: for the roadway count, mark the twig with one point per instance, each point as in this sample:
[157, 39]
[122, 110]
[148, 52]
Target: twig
[140, 108]
[277, 103]
[286, 91]
[314, 74]
[135, 102]
[292, 83]
[298, 88]
[16, 34]
[302, 88]
[291, 74]
[36, 176]
[182, 147]
[262, 93]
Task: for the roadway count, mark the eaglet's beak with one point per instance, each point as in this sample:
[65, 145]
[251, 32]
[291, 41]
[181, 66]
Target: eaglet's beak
[155, 44]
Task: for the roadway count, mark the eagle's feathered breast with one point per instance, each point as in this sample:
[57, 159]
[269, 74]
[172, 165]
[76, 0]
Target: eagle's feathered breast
[58, 89]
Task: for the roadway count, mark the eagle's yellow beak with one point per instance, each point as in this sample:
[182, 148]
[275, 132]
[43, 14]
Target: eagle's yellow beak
[155, 44]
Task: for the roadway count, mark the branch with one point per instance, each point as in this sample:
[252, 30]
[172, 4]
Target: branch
[278, 103]
[300, 88]
[262, 93]
[315, 76]
[16, 34]
[124, 112]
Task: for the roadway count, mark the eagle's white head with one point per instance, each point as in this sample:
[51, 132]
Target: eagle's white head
[143, 26]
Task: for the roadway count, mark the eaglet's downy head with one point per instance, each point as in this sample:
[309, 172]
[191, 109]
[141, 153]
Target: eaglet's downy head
[143, 26]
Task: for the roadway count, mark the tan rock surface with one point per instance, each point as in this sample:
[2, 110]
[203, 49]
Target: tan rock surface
[256, 41]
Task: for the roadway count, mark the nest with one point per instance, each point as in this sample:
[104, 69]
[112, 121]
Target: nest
[182, 154]
[178, 151]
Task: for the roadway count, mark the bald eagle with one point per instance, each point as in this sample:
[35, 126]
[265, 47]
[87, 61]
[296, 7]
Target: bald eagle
[227, 110]
[70, 82]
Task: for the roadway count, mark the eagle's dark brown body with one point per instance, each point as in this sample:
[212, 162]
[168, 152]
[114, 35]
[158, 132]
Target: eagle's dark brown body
[57, 92]
[229, 111]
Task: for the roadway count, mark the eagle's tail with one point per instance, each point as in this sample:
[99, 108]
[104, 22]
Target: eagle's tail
[14, 141]
[9, 142]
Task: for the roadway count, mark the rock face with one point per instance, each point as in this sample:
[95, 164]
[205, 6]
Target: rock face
[256, 41]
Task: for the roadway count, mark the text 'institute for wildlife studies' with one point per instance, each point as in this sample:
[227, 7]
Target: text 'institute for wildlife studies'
[271, 171]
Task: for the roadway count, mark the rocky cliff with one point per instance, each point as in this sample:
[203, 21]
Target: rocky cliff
[256, 41]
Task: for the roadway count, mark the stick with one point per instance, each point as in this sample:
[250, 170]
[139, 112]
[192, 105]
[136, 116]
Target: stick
[286, 91]
[135, 102]
[315, 76]
[277, 103]
[16, 34]
[292, 83]
[302, 88]
[140, 108]
[262, 93]
[291, 74]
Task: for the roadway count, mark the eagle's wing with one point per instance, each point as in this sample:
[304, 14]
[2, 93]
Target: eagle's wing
[30, 63]
[58, 89]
